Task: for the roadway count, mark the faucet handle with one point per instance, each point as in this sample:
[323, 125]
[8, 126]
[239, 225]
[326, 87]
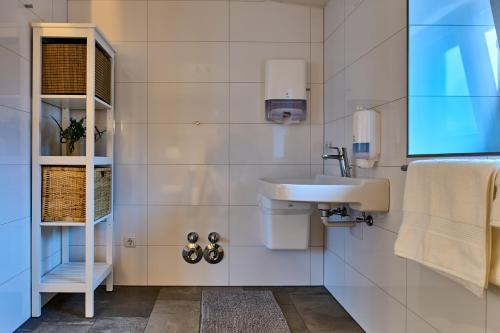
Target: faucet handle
[330, 146]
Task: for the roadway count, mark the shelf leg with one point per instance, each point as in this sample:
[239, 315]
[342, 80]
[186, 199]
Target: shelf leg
[109, 252]
[36, 304]
[109, 282]
[64, 245]
[89, 304]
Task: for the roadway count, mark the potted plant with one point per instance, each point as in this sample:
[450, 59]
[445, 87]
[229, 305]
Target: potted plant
[73, 134]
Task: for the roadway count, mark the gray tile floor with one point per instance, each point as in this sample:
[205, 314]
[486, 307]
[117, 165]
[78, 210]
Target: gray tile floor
[177, 310]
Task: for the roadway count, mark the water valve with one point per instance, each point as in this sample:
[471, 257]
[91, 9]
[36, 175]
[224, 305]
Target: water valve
[213, 253]
[192, 252]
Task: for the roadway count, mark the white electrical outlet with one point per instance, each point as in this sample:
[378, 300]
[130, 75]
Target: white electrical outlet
[129, 242]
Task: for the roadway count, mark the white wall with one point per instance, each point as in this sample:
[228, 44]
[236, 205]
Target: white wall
[365, 64]
[15, 152]
[181, 62]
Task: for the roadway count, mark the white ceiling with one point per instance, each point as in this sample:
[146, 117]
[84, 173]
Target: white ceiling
[311, 3]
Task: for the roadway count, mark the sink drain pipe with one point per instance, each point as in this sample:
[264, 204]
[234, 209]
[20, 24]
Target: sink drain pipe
[326, 212]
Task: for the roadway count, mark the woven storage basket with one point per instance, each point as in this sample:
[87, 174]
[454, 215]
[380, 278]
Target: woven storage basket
[63, 193]
[64, 65]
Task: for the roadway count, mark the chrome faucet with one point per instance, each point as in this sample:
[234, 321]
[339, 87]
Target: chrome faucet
[341, 156]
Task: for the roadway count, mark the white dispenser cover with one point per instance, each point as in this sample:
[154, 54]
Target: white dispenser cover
[366, 138]
[285, 90]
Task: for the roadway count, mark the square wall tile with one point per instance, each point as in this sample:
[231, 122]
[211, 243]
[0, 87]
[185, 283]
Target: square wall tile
[269, 144]
[169, 225]
[388, 61]
[243, 179]
[188, 21]
[335, 106]
[15, 192]
[259, 266]
[188, 62]
[15, 301]
[317, 144]
[130, 221]
[493, 306]
[245, 226]
[316, 25]
[334, 277]
[335, 241]
[180, 273]
[393, 140]
[15, 81]
[248, 59]
[415, 324]
[317, 68]
[368, 304]
[131, 102]
[15, 135]
[15, 248]
[315, 108]
[269, 22]
[334, 16]
[128, 22]
[16, 28]
[131, 143]
[188, 102]
[131, 184]
[188, 184]
[247, 103]
[369, 25]
[131, 62]
[443, 303]
[374, 257]
[130, 265]
[188, 144]
[316, 266]
[334, 53]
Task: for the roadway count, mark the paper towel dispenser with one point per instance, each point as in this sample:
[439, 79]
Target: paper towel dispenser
[285, 90]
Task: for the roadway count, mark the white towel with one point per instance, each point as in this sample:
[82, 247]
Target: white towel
[495, 236]
[446, 218]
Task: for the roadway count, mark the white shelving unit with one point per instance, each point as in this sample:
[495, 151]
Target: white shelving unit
[71, 277]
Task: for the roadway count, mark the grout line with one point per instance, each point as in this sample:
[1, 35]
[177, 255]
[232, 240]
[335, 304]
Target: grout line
[375, 47]
[147, 142]
[228, 147]
[16, 276]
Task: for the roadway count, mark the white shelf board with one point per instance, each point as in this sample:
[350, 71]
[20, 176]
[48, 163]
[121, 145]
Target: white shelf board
[103, 160]
[70, 277]
[63, 160]
[104, 218]
[72, 224]
[74, 160]
[74, 102]
[62, 224]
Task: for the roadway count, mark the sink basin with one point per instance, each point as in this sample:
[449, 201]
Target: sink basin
[362, 194]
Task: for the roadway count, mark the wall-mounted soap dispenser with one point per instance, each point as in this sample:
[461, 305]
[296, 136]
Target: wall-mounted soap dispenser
[366, 137]
[285, 90]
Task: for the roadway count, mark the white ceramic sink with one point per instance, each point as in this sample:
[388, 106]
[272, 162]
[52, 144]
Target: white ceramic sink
[362, 194]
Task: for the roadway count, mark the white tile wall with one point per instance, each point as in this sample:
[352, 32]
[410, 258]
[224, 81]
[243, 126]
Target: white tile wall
[382, 292]
[15, 158]
[188, 102]
[174, 21]
[192, 139]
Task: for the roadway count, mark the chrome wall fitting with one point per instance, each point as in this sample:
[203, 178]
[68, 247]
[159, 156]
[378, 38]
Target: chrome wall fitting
[213, 253]
[192, 237]
[192, 252]
[213, 237]
[325, 215]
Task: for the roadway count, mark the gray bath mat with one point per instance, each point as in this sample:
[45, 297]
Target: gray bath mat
[243, 311]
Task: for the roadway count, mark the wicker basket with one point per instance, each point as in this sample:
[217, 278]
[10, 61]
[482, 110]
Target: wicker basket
[64, 64]
[63, 193]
